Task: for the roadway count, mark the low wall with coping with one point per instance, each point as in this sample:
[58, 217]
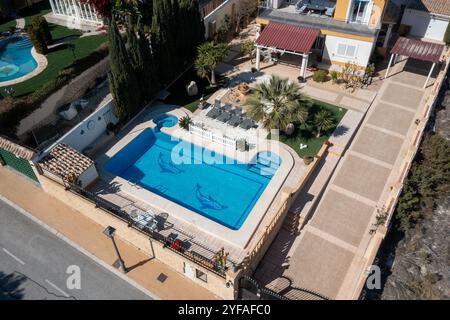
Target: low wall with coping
[141, 241]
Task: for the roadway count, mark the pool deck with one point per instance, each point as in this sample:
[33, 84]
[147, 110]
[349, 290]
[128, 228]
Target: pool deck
[205, 235]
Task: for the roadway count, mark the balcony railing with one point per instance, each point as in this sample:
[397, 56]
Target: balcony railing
[285, 15]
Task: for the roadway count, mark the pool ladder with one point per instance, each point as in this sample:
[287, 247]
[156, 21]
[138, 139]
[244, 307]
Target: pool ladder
[133, 183]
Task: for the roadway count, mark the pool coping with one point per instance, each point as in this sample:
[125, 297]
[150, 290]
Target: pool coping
[42, 64]
[239, 238]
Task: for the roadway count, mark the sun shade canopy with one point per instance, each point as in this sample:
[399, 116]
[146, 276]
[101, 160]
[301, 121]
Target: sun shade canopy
[287, 37]
[417, 49]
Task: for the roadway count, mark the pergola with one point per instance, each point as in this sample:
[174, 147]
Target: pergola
[416, 49]
[285, 38]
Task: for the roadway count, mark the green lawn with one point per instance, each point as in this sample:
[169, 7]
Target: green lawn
[179, 97]
[7, 25]
[305, 133]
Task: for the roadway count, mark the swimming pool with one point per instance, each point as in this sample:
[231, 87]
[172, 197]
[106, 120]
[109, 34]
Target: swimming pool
[16, 59]
[208, 183]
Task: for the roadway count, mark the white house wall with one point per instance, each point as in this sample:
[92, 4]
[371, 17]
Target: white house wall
[88, 130]
[426, 25]
[362, 55]
[218, 14]
[88, 176]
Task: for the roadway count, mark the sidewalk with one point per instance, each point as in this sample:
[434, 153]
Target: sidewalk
[88, 234]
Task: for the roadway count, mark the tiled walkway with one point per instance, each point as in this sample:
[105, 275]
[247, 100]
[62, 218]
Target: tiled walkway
[328, 256]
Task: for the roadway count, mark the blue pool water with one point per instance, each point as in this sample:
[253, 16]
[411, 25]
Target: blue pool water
[166, 120]
[15, 58]
[205, 182]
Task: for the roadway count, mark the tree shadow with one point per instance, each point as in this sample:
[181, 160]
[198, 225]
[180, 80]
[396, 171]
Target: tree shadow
[10, 286]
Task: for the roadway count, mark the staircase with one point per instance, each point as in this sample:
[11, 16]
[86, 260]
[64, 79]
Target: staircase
[266, 164]
[23, 43]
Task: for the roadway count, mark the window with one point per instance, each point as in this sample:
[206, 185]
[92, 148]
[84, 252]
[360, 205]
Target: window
[201, 275]
[346, 50]
[359, 12]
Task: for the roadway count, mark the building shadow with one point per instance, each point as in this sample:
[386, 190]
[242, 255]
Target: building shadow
[10, 286]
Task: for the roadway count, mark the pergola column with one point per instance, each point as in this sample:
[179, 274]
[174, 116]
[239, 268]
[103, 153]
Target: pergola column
[258, 58]
[305, 58]
[389, 66]
[388, 36]
[429, 75]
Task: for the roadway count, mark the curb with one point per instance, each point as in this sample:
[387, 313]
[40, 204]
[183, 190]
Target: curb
[79, 248]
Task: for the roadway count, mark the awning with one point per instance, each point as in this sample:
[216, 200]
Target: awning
[288, 37]
[417, 49]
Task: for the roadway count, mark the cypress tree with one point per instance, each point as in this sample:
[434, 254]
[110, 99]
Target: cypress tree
[149, 72]
[123, 81]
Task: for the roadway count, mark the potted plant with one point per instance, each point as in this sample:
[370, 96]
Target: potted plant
[308, 159]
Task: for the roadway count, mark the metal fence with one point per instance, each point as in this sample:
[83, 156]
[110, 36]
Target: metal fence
[211, 136]
[167, 241]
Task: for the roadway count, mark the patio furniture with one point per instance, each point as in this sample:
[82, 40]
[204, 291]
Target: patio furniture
[237, 111]
[217, 104]
[227, 107]
[144, 219]
[214, 113]
[247, 124]
[235, 121]
[204, 105]
[224, 117]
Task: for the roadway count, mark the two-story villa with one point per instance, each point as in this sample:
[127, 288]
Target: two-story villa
[345, 30]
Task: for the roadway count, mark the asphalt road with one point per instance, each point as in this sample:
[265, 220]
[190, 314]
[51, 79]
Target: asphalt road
[34, 265]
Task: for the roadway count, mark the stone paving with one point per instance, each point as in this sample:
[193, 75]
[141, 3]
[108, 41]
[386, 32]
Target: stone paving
[329, 254]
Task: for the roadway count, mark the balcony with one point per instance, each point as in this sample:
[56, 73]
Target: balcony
[287, 13]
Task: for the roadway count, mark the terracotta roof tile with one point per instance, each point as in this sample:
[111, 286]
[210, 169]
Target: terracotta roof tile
[65, 161]
[16, 149]
[433, 6]
[288, 37]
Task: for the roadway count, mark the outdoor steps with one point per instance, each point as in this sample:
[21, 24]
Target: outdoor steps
[263, 169]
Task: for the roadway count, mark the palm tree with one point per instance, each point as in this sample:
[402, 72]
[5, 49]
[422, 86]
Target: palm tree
[209, 55]
[277, 103]
[323, 121]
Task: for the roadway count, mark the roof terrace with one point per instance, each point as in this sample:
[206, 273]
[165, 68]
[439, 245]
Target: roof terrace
[289, 13]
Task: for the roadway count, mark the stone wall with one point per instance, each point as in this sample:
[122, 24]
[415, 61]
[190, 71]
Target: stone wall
[153, 248]
[74, 90]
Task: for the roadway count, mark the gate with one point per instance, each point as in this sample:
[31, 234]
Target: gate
[17, 157]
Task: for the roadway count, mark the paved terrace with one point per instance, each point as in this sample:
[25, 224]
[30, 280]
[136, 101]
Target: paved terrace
[330, 255]
[287, 14]
[200, 241]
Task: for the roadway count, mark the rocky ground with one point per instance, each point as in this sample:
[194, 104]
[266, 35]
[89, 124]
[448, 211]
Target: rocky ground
[415, 264]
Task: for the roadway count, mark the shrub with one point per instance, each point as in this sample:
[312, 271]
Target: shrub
[38, 40]
[334, 75]
[320, 76]
[39, 23]
[185, 122]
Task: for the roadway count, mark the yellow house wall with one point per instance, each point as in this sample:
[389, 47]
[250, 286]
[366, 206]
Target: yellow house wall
[377, 12]
[341, 10]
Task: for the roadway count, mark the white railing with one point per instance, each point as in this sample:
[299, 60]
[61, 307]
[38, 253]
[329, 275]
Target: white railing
[198, 130]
